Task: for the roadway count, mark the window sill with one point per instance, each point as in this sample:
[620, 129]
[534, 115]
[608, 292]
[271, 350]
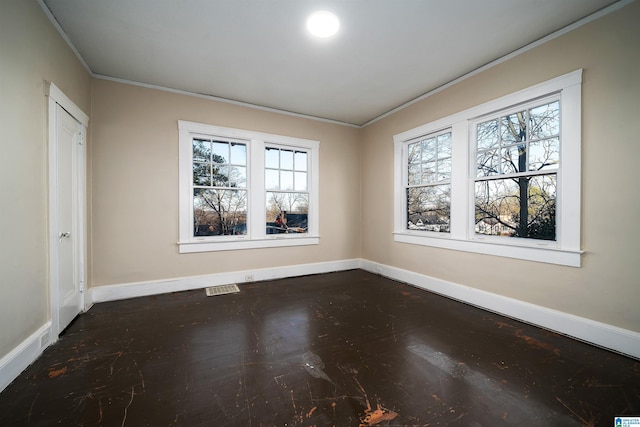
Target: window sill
[546, 254]
[232, 245]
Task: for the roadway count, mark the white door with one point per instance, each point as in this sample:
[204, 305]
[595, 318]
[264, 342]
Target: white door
[67, 224]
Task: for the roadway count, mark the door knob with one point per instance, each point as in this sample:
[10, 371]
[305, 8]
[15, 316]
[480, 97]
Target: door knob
[65, 235]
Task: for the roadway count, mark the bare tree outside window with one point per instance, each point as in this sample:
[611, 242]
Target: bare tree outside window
[517, 159]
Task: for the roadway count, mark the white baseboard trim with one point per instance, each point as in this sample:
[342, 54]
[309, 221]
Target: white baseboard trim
[600, 334]
[154, 287]
[18, 359]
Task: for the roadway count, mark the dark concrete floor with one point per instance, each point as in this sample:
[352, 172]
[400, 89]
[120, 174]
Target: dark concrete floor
[340, 349]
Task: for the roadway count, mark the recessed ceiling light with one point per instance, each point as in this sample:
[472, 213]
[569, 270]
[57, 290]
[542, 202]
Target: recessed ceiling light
[323, 24]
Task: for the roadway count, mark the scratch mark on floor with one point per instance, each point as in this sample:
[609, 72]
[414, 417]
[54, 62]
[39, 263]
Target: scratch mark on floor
[297, 417]
[244, 384]
[221, 405]
[373, 417]
[57, 372]
[124, 420]
[141, 377]
[377, 416]
[31, 407]
[537, 343]
[585, 422]
[118, 354]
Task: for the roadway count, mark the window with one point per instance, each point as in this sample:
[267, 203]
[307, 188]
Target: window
[219, 187]
[428, 184]
[242, 189]
[502, 178]
[517, 161]
[287, 193]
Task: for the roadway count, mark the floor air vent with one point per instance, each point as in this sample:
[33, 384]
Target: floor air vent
[221, 290]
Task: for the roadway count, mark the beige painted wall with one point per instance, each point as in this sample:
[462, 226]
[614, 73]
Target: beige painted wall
[134, 156]
[607, 287]
[31, 51]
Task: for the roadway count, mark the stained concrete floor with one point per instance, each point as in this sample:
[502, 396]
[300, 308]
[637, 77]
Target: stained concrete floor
[341, 349]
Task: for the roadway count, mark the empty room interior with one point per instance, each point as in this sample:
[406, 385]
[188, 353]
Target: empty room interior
[430, 216]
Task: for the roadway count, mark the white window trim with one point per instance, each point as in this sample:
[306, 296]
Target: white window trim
[566, 249]
[256, 236]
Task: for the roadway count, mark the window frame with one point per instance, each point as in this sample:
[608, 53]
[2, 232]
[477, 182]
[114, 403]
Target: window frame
[256, 236]
[565, 250]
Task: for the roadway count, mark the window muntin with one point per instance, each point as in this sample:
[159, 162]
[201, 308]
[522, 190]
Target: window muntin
[428, 183]
[517, 159]
[287, 195]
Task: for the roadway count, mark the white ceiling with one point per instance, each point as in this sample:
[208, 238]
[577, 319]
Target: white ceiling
[386, 53]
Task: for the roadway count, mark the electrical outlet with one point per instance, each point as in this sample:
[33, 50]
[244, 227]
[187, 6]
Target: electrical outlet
[248, 278]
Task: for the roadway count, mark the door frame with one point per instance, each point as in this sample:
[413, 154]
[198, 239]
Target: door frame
[57, 97]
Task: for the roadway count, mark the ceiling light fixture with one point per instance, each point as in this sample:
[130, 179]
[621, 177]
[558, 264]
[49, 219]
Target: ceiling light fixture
[323, 24]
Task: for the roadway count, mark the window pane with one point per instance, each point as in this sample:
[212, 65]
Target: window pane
[238, 154]
[238, 177]
[286, 159]
[487, 135]
[444, 169]
[544, 154]
[286, 180]
[201, 174]
[219, 212]
[414, 174]
[414, 153]
[301, 181]
[201, 150]
[429, 208]
[444, 145]
[428, 172]
[488, 163]
[220, 176]
[301, 161]
[521, 207]
[429, 150]
[541, 223]
[287, 212]
[514, 159]
[272, 158]
[545, 120]
[272, 179]
[514, 128]
[220, 152]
